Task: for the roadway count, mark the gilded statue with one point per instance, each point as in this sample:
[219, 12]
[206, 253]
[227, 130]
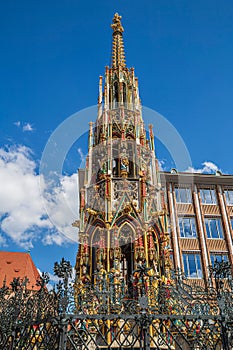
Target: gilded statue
[116, 25]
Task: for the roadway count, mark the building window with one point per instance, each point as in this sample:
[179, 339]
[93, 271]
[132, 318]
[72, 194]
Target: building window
[232, 223]
[214, 228]
[187, 227]
[229, 196]
[192, 265]
[183, 195]
[218, 257]
[208, 196]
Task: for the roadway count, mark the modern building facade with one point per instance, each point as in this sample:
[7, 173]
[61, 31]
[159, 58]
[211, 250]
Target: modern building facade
[200, 208]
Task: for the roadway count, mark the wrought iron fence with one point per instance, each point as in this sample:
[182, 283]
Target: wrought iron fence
[104, 316]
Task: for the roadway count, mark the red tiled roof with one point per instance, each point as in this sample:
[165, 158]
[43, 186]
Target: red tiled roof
[20, 265]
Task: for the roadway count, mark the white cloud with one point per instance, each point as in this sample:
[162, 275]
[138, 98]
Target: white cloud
[161, 164]
[82, 156]
[25, 126]
[3, 241]
[24, 215]
[61, 204]
[28, 127]
[53, 238]
[207, 168]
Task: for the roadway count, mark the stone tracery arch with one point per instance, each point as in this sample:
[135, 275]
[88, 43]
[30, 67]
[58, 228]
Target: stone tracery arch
[98, 243]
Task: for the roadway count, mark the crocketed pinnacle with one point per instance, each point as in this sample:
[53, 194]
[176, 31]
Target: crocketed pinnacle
[118, 54]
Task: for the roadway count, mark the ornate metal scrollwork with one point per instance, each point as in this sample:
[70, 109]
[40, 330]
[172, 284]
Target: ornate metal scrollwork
[107, 314]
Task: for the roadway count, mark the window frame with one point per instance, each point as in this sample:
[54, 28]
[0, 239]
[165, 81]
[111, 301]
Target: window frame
[204, 196]
[231, 223]
[229, 197]
[209, 232]
[197, 261]
[219, 254]
[187, 194]
[192, 224]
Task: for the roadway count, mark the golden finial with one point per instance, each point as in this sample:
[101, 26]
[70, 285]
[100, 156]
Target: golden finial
[116, 25]
[118, 54]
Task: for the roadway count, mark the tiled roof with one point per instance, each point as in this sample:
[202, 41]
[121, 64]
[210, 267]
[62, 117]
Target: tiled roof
[20, 265]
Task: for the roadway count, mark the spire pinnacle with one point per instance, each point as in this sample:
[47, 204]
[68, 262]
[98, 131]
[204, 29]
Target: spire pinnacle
[118, 54]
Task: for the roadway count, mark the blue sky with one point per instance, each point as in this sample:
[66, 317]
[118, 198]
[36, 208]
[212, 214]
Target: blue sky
[52, 54]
